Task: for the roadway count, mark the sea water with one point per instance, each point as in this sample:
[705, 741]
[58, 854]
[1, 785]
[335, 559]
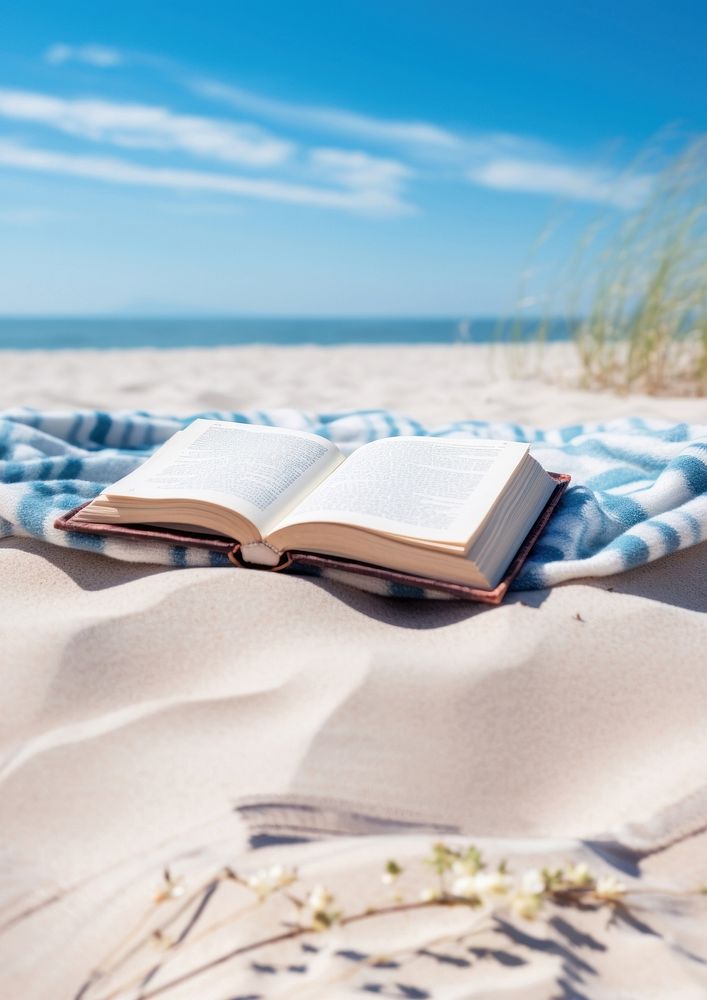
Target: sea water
[55, 334]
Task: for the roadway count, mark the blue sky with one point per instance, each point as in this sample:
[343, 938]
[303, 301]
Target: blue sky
[311, 158]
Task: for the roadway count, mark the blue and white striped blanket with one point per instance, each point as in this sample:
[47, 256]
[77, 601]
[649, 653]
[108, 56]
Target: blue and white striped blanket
[638, 492]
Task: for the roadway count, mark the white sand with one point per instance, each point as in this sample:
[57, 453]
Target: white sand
[141, 705]
[433, 384]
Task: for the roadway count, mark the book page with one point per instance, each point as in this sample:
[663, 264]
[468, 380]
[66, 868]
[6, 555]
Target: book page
[260, 472]
[439, 490]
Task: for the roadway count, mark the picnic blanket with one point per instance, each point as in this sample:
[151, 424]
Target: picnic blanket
[638, 491]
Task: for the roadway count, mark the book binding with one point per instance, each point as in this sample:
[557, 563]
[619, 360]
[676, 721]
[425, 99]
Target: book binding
[292, 560]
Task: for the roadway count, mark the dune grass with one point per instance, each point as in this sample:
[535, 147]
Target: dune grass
[646, 326]
[637, 283]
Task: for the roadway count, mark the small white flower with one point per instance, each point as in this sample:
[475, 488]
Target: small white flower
[320, 902]
[578, 875]
[428, 895]
[482, 884]
[610, 888]
[465, 887]
[533, 882]
[319, 899]
[267, 880]
[468, 865]
[495, 883]
[525, 905]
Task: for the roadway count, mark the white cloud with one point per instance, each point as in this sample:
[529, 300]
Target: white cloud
[355, 169]
[93, 55]
[562, 180]
[144, 126]
[137, 126]
[119, 171]
[499, 160]
[335, 120]
[352, 177]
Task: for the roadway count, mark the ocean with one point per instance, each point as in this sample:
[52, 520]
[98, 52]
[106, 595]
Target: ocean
[55, 334]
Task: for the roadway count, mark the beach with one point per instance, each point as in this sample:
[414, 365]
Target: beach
[164, 717]
[433, 383]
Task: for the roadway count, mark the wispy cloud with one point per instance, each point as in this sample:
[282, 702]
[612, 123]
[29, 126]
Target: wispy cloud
[354, 169]
[119, 171]
[100, 56]
[144, 126]
[317, 172]
[564, 181]
[499, 160]
[329, 120]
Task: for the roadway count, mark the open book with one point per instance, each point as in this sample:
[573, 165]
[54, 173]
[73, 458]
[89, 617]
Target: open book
[454, 510]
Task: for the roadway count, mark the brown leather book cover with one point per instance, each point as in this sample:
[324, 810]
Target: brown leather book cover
[291, 560]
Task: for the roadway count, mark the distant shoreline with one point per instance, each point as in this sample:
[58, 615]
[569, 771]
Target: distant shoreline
[155, 332]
